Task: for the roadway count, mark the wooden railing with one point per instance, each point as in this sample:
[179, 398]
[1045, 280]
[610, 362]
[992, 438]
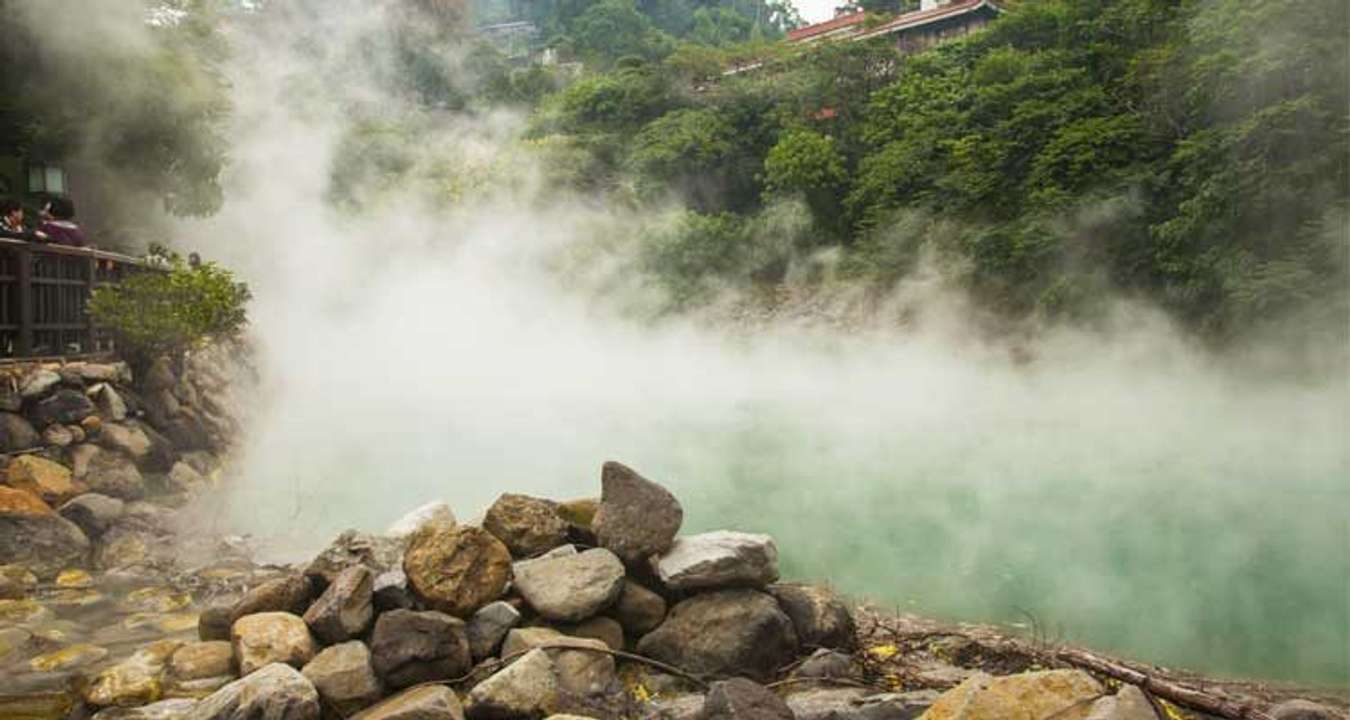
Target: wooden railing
[44, 292]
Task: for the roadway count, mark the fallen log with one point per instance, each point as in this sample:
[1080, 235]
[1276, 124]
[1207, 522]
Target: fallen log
[1174, 692]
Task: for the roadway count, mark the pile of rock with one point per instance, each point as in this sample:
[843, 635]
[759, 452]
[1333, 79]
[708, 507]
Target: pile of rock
[90, 460]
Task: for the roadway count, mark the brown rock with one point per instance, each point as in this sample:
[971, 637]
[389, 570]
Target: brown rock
[289, 594]
[819, 616]
[271, 637]
[727, 632]
[429, 702]
[527, 525]
[344, 677]
[637, 517]
[48, 480]
[345, 609]
[21, 502]
[1064, 694]
[457, 570]
[411, 647]
[638, 609]
[741, 699]
[201, 660]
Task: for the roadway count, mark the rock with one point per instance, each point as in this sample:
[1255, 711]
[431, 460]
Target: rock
[134, 681]
[818, 615]
[160, 376]
[606, 630]
[274, 692]
[571, 589]
[527, 525]
[110, 404]
[16, 433]
[271, 637]
[48, 480]
[1302, 710]
[24, 611]
[58, 435]
[188, 431]
[80, 456]
[125, 438]
[201, 660]
[64, 406]
[115, 475]
[45, 544]
[637, 518]
[345, 609]
[579, 513]
[74, 579]
[457, 570]
[354, 548]
[290, 594]
[429, 702]
[723, 558]
[68, 658]
[826, 663]
[22, 502]
[528, 688]
[557, 552]
[126, 546]
[586, 671]
[741, 699]
[729, 632]
[1128, 703]
[638, 609]
[37, 382]
[155, 599]
[432, 513]
[100, 372]
[391, 592]
[161, 455]
[521, 640]
[855, 704]
[409, 647]
[9, 590]
[214, 623]
[93, 513]
[344, 677]
[488, 626]
[10, 399]
[1065, 694]
[39, 696]
[688, 706]
[184, 479]
[174, 709]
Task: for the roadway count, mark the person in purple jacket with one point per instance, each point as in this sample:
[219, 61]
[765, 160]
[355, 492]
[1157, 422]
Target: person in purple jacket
[58, 223]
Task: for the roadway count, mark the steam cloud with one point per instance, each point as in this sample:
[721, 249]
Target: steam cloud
[1124, 487]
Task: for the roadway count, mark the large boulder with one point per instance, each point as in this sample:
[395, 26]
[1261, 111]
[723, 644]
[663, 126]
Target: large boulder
[741, 699]
[344, 677]
[272, 637]
[114, 474]
[274, 692]
[819, 616]
[528, 688]
[457, 570]
[571, 588]
[290, 594]
[354, 548]
[527, 525]
[723, 558]
[65, 406]
[16, 433]
[345, 609]
[637, 517]
[1062, 694]
[726, 632]
[638, 609]
[428, 702]
[410, 647]
[45, 543]
[48, 480]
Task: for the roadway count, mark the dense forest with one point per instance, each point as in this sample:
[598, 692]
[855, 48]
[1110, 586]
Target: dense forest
[1192, 153]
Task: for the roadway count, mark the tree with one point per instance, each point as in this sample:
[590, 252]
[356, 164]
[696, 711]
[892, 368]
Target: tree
[613, 29]
[806, 162]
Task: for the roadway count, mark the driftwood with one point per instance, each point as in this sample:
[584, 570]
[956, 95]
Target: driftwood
[1174, 692]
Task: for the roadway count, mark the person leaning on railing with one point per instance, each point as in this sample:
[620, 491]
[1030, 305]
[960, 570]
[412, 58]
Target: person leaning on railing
[58, 223]
[11, 222]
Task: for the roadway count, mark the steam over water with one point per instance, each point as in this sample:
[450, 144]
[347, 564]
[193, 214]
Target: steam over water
[1127, 490]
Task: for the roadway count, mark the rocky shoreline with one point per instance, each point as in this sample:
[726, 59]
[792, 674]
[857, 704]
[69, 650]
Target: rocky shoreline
[596, 607]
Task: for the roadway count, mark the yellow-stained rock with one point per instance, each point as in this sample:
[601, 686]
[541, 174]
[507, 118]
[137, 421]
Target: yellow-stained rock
[579, 512]
[74, 578]
[20, 575]
[15, 501]
[178, 622]
[271, 637]
[68, 658]
[138, 680]
[156, 600]
[48, 480]
[75, 598]
[13, 612]
[1062, 694]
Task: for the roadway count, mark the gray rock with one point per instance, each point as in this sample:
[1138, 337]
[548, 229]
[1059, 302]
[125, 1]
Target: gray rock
[521, 640]
[528, 688]
[818, 615]
[897, 706]
[63, 406]
[344, 677]
[345, 609]
[391, 592]
[262, 639]
[586, 671]
[10, 399]
[527, 525]
[826, 663]
[37, 382]
[289, 594]
[429, 702]
[638, 609]
[411, 647]
[354, 548]
[637, 517]
[45, 544]
[741, 699]
[183, 478]
[101, 372]
[728, 632]
[202, 660]
[275, 692]
[93, 513]
[1303, 710]
[723, 558]
[174, 709]
[436, 512]
[688, 706]
[114, 474]
[855, 704]
[606, 630]
[160, 376]
[110, 404]
[557, 552]
[16, 433]
[58, 435]
[572, 588]
[1128, 703]
[488, 627]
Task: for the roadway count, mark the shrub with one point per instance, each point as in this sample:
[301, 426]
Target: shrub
[154, 312]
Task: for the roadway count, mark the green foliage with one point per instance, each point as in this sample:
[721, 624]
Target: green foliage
[612, 29]
[696, 256]
[154, 312]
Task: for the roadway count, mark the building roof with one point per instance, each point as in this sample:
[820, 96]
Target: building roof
[829, 26]
[920, 18]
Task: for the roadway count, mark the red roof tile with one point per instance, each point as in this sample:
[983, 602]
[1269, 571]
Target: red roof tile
[821, 28]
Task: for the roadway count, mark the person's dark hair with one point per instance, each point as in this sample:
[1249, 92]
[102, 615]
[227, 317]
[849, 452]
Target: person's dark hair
[9, 205]
[60, 207]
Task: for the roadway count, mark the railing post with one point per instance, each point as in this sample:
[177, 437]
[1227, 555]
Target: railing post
[24, 257]
[91, 278]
